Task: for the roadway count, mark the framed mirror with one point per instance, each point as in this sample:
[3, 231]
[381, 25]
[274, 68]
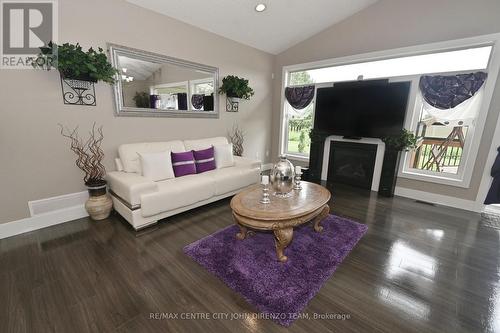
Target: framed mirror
[155, 85]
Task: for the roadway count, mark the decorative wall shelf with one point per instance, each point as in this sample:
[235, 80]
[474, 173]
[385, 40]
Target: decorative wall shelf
[78, 92]
[232, 104]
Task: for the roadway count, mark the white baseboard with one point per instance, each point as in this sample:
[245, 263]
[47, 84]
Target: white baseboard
[47, 212]
[47, 205]
[42, 221]
[438, 199]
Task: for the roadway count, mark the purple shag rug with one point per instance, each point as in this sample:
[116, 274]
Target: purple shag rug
[279, 290]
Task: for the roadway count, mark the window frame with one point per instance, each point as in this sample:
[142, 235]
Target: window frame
[192, 89]
[464, 174]
[462, 179]
[169, 85]
[195, 82]
[284, 150]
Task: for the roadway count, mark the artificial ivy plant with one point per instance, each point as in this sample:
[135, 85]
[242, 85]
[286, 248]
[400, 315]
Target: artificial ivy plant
[75, 63]
[405, 140]
[234, 86]
[141, 99]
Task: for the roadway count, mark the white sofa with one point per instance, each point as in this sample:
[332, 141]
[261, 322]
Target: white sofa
[142, 201]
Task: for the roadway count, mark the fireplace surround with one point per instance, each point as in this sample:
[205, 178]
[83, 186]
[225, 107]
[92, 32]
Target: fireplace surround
[355, 162]
[351, 163]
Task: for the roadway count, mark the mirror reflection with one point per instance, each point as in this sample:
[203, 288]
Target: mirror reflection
[151, 84]
[165, 86]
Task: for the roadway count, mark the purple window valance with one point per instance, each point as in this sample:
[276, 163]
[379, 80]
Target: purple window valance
[299, 97]
[446, 92]
[197, 101]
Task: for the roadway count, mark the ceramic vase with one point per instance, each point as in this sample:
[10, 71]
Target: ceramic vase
[99, 204]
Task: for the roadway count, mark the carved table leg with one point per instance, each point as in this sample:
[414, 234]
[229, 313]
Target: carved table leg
[243, 230]
[325, 210]
[283, 238]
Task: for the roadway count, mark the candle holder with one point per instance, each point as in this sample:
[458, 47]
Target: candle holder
[296, 180]
[265, 194]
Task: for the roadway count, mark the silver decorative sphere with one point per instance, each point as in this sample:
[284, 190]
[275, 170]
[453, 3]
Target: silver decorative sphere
[282, 177]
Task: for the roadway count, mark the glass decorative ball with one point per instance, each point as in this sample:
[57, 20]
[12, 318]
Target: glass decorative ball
[282, 177]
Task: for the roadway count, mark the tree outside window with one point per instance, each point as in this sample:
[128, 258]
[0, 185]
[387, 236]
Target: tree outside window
[299, 121]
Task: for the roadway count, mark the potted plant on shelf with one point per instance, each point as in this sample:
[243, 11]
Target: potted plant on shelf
[142, 99]
[405, 140]
[89, 160]
[74, 63]
[394, 145]
[235, 88]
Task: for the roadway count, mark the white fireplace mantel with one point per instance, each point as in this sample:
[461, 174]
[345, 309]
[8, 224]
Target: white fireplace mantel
[379, 159]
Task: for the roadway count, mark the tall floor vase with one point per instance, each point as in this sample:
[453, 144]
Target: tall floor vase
[99, 204]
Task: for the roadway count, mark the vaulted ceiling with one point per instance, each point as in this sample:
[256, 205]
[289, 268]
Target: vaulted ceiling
[283, 24]
[138, 69]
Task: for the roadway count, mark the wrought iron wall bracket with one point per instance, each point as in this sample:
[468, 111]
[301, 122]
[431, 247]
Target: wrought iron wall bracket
[78, 92]
[232, 104]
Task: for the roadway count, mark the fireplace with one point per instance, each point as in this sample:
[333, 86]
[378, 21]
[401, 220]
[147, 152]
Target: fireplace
[352, 163]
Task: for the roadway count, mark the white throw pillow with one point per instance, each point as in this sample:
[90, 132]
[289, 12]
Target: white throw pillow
[157, 166]
[224, 156]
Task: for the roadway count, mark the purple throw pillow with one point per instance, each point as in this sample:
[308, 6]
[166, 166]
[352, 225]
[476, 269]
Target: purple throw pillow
[204, 159]
[183, 163]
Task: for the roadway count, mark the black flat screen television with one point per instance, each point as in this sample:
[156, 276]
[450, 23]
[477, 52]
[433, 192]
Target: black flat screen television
[362, 109]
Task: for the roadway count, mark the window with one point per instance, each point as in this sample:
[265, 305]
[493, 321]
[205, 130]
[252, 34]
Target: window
[202, 87]
[299, 122]
[442, 62]
[444, 144]
[299, 126]
[442, 135]
[168, 94]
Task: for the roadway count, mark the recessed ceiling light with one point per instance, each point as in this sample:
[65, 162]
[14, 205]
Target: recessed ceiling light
[260, 7]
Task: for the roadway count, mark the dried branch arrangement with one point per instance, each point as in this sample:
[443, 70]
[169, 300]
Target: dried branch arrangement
[89, 154]
[236, 137]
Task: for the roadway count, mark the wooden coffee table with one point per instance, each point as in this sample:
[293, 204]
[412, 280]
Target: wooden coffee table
[282, 214]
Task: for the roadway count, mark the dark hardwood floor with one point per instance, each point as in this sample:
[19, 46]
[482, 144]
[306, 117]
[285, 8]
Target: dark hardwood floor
[419, 268]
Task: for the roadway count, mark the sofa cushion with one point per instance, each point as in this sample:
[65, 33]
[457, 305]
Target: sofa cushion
[157, 166]
[233, 178]
[129, 152]
[178, 192]
[118, 164]
[183, 163]
[204, 143]
[224, 155]
[204, 159]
